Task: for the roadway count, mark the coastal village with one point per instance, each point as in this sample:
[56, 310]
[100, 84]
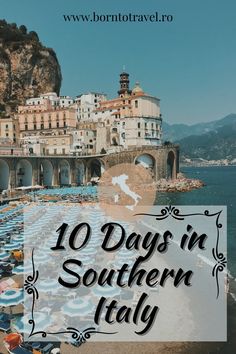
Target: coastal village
[86, 125]
[51, 126]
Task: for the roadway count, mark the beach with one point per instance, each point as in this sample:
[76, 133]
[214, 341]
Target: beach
[146, 347]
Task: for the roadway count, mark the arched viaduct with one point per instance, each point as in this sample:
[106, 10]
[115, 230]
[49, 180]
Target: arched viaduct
[17, 171]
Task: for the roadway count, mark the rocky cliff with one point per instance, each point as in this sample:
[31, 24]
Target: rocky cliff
[27, 68]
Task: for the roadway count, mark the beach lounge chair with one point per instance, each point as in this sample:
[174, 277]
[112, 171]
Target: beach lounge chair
[20, 350]
[5, 326]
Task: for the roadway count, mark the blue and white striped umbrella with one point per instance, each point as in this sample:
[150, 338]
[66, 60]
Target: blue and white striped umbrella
[41, 257]
[106, 291]
[118, 263]
[4, 255]
[28, 267]
[11, 297]
[42, 321]
[124, 253]
[18, 270]
[48, 285]
[78, 307]
[18, 238]
[6, 227]
[12, 246]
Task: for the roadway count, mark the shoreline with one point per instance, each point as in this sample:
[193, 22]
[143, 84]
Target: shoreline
[203, 165]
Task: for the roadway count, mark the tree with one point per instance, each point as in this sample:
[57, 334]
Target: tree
[33, 35]
[13, 25]
[23, 29]
[3, 23]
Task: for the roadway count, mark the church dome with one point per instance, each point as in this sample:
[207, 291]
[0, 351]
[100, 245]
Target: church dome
[137, 89]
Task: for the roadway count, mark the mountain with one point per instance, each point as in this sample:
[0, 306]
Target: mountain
[27, 68]
[176, 132]
[214, 145]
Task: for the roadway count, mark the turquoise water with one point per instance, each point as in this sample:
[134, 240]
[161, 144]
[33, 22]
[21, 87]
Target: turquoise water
[219, 190]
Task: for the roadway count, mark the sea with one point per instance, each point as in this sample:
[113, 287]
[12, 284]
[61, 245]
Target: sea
[220, 189]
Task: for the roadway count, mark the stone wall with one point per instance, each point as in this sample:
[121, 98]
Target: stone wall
[31, 165]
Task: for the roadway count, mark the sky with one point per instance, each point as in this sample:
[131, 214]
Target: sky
[190, 63]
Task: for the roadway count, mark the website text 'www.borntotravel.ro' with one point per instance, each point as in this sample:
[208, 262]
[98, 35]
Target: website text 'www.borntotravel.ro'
[119, 17]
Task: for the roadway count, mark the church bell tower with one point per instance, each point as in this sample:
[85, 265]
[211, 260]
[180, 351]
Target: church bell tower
[124, 85]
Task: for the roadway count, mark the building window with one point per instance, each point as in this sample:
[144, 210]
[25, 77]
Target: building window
[6, 126]
[35, 126]
[50, 125]
[42, 126]
[26, 127]
[57, 124]
[64, 124]
[138, 125]
[139, 134]
[63, 151]
[136, 103]
[55, 151]
[7, 134]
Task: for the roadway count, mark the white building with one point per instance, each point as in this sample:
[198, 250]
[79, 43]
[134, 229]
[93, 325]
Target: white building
[87, 103]
[83, 141]
[134, 117]
[37, 101]
[52, 98]
[65, 101]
